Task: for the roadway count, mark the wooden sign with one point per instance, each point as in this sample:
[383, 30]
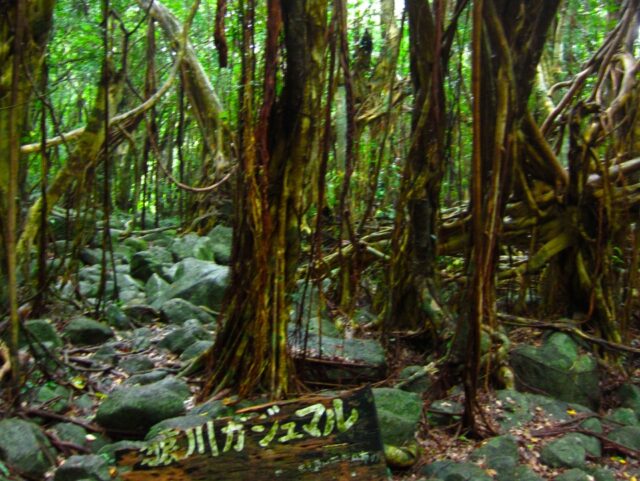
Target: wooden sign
[320, 438]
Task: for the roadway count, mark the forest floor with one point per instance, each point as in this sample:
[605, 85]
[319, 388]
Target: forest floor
[439, 435]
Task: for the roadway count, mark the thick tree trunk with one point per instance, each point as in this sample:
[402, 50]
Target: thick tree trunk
[414, 238]
[14, 107]
[508, 41]
[277, 157]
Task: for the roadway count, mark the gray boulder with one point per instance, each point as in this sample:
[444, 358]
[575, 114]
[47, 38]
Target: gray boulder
[91, 256]
[516, 409]
[116, 318]
[145, 263]
[452, 471]
[444, 412]
[71, 433]
[414, 379]
[199, 282]
[83, 468]
[221, 238]
[132, 410]
[155, 287]
[136, 244]
[85, 331]
[628, 436]
[25, 448]
[192, 245]
[141, 313]
[563, 453]
[42, 331]
[399, 413]
[178, 311]
[214, 408]
[146, 377]
[181, 338]
[500, 454]
[106, 354]
[558, 370]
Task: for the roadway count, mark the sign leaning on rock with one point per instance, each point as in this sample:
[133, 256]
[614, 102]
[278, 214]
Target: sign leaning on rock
[318, 438]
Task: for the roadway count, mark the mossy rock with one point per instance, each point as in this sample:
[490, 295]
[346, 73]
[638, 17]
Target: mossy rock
[399, 413]
[129, 411]
[558, 370]
[25, 448]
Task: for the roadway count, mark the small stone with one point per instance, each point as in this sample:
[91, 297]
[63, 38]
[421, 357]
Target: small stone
[592, 424]
[136, 364]
[444, 412]
[146, 378]
[109, 451]
[106, 355]
[141, 338]
[212, 409]
[54, 397]
[602, 474]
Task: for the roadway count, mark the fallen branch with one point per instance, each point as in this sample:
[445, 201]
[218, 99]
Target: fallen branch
[568, 327]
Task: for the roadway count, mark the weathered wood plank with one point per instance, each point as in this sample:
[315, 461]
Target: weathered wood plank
[319, 438]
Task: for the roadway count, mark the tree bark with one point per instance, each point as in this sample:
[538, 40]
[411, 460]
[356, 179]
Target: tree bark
[14, 107]
[278, 156]
[414, 237]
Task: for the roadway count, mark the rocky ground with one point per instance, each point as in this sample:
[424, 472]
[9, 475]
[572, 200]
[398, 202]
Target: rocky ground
[99, 384]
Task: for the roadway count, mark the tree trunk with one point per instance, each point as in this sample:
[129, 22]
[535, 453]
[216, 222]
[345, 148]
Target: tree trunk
[84, 156]
[277, 157]
[414, 238]
[13, 108]
[508, 41]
